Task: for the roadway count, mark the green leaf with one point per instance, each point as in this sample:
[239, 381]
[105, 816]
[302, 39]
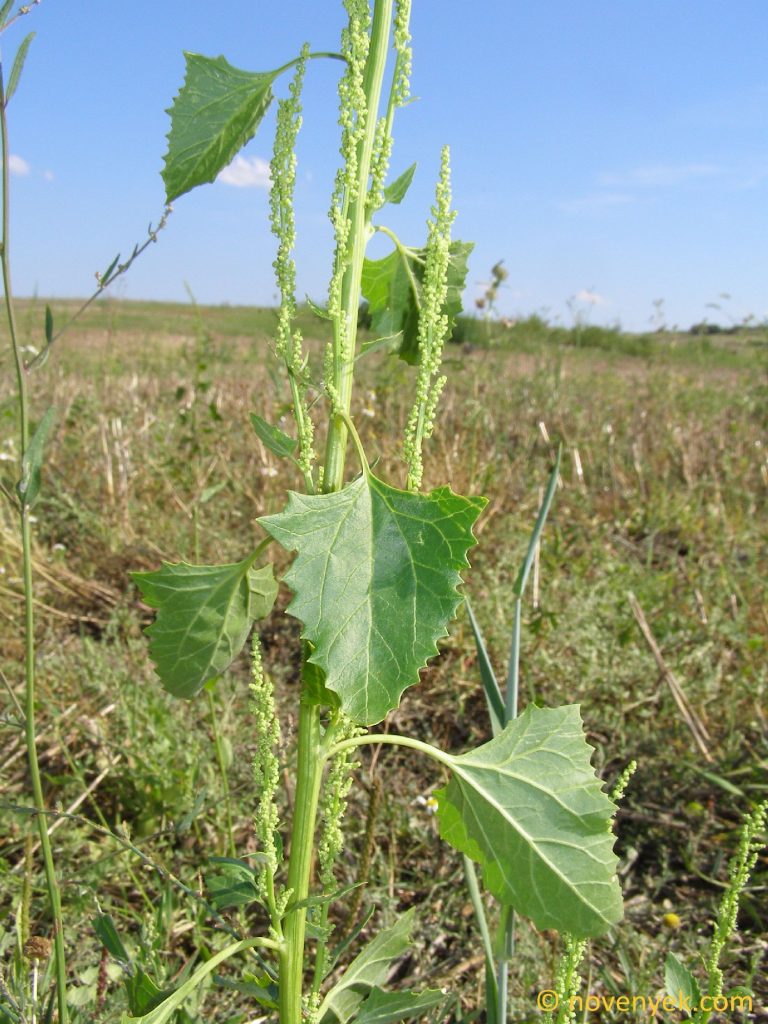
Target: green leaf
[107, 934]
[273, 438]
[385, 1007]
[369, 969]
[395, 193]
[142, 993]
[48, 326]
[104, 278]
[163, 1012]
[5, 10]
[28, 487]
[231, 884]
[528, 807]
[680, 983]
[204, 614]
[18, 66]
[392, 287]
[374, 583]
[214, 115]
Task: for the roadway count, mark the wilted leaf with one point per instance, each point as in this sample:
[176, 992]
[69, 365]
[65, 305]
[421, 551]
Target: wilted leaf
[375, 583]
[391, 285]
[214, 115]
[530, 809]
[204, 614]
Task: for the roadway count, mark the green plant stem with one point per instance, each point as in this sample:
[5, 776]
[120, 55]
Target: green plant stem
[344, 362]
[309, 774]
[311, 750]
[29, 624]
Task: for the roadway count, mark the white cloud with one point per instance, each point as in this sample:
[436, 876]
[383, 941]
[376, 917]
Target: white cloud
[591, 298]
[596, 202]
[661, 175]
[246, 172]
[18, 165]
[48, 175]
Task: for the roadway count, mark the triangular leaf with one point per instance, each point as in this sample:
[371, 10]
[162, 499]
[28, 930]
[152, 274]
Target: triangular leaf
[386, 1007]
[214, 115]
[374, 583]
[204, 614]
[395, 193]
[28, 487]
[273, 438]
[369, 969]
[391, 286]
[18, 66]
[529, 808]
[680, 983]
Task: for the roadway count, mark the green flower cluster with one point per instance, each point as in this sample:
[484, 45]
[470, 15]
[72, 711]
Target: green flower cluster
[433, 326]
[288, 341]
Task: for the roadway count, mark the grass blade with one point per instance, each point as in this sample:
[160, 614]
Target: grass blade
[490, 684]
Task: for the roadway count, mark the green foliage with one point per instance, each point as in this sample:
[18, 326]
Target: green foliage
[28, 486]
[273, 438]
[397, 191]
[375, 583]
[18, 67]
[367, 971]
[529, 808]
[218, 109]
[204, 615]
[392, 286]
[381, 1007]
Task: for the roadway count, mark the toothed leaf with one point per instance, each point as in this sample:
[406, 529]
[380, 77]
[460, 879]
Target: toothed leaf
[204, 614]
[374, 583]
[529, 808]
[217, 111]
[369, 969]
[387, 1007]
[392, 287]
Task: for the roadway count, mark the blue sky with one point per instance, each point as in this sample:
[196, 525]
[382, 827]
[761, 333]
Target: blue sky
[612, 153]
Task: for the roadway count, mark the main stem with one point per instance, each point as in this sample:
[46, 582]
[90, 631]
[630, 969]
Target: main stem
[333, 479]
[309, 774]
[311, 750]
[29, 623]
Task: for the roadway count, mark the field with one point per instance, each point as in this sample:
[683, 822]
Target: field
[662, 496]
